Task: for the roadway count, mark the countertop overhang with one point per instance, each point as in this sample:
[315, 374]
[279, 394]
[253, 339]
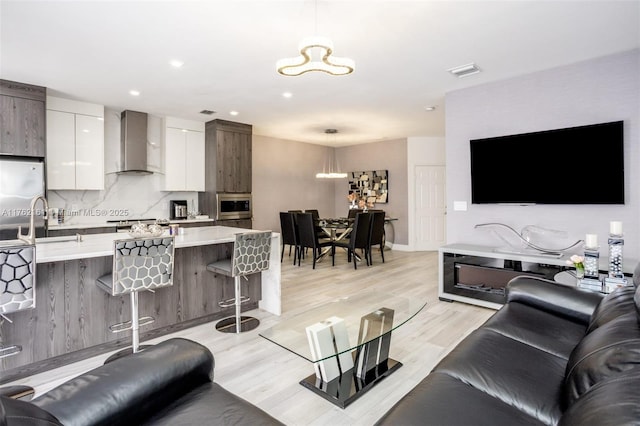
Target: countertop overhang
[97, 245]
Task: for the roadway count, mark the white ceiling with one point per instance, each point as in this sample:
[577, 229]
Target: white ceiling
[97, 51]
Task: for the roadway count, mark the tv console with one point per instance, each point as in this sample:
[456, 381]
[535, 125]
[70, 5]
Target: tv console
[478, 274]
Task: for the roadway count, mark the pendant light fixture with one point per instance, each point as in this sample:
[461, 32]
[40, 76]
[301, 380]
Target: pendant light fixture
[333, 169]
[315, 55]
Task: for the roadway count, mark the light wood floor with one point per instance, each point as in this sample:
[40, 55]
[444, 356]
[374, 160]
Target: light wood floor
[267, 375]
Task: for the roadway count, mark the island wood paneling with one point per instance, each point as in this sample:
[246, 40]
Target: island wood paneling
[72, 315]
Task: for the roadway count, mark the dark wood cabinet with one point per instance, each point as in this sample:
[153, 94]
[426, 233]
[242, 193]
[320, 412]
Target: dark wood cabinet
[227, 161]
[237, 223]
[22, 119]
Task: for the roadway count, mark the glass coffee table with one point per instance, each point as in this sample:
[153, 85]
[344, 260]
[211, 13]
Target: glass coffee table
[348, 342]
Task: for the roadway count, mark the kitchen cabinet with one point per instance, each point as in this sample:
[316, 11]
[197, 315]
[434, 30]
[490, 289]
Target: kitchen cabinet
[228, 153]
[236, 223]
[184, 158]
[75, 145]
[22, 119]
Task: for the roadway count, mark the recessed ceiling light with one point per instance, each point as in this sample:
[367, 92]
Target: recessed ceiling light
[134, 93]
[176, 63]
[287, 94]
[430, 108]
[207, 112]
[464, 70]
[233, 112]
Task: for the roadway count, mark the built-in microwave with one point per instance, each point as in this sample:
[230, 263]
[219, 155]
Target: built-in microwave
[233, 206]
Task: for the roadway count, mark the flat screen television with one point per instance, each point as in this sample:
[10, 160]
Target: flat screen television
[577, 165]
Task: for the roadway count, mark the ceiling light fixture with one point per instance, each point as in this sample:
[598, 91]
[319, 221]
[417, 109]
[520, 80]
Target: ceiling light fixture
[334, 170]
[134, 93]
[176, 63]
[321, 48]
[234, 112]
[287, 95]
[464, 70]
[430, 108]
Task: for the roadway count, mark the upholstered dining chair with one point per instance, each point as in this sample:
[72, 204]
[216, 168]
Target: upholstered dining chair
[139, 264]
[358, 239]
[289, 234]
[309, 237]
[251, 254]
[376, 236]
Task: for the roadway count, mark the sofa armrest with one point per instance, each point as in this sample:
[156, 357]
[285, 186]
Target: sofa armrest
[553, 297]
[131, 388]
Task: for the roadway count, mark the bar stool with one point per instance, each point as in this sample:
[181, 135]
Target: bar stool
[251, 252]
[17, 293]
[141, 264]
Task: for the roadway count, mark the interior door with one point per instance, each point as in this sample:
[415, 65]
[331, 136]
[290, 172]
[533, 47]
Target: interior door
[430, 204]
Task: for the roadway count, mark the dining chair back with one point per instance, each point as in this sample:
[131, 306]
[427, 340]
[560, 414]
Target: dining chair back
[358, 239]
[289, 234]
[308, 237]
[353, 212]
[377, 233]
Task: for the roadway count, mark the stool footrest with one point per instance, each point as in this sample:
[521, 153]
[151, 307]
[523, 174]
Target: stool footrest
[128, 325]
[232, 302]
[10, 350]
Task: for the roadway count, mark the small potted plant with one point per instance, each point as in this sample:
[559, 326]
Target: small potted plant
[578, 263]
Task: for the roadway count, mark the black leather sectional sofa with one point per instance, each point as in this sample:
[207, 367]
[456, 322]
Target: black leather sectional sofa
[553, 355]
[170, 383]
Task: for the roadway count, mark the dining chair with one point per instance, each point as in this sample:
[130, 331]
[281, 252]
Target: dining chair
[377, 233]
[309, 237]
[353, 212]
[289, 234]
[358, 239]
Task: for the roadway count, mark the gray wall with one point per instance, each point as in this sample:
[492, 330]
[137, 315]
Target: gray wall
[387, 155]
[600, 90]
[284, 178]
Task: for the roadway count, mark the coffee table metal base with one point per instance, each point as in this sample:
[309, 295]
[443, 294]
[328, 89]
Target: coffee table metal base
[345, 389]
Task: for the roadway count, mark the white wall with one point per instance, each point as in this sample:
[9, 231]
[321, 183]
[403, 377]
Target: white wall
[595, 91]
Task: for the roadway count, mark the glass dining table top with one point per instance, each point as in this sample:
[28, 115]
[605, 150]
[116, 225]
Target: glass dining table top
[365, 309]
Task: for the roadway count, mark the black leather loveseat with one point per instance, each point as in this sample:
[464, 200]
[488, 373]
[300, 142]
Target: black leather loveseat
[553, 355]
[170, 383]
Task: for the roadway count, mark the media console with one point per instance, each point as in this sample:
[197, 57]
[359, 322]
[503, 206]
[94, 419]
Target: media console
[478, 274]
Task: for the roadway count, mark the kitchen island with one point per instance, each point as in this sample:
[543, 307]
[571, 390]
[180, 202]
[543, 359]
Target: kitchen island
[72, 315]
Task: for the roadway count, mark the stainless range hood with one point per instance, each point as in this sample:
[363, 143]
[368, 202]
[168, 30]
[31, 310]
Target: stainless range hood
[133, 143]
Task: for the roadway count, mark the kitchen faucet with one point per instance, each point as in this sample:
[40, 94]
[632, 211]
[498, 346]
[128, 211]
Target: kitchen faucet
[30, 238]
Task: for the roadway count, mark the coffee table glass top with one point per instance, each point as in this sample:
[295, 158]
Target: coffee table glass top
[291, 333]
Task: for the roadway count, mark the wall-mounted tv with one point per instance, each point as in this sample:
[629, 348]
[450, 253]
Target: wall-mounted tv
[577, 165]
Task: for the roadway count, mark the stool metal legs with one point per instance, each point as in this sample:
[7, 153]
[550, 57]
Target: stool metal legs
[134, 325]
[238, 323]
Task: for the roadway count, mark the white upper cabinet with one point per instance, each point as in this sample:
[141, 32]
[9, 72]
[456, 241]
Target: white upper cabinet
[183, 155]
[75, 145]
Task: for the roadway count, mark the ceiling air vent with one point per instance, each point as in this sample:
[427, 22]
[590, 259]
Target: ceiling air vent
[464, 70]
[207, 112]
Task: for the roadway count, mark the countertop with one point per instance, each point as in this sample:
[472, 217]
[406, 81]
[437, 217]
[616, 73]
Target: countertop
[109, 225]
[56, 249]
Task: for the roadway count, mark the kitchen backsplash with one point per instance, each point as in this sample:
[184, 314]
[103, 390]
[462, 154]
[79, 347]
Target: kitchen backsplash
[124, 197]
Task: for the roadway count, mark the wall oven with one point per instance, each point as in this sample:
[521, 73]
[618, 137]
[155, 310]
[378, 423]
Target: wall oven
[233, 206]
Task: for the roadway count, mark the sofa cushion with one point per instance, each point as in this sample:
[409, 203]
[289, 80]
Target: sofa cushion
[547, 332]
[614, 401]
[15, 412]
[131, 388]
[441, 399]
[618, 302]
[511, 371]
[611, 349]
[210, 403]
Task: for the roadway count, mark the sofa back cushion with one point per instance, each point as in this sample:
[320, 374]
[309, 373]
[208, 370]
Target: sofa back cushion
[615, 304]
[614, 401]
[610, 350]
